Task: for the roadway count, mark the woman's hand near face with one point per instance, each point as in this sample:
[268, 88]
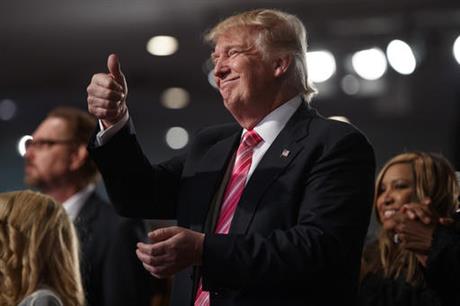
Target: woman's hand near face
[415, 225]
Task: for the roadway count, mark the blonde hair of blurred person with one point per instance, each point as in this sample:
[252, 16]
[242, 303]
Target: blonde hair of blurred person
[433, 178]
[57, 164]
[277, 32]
[38, 249]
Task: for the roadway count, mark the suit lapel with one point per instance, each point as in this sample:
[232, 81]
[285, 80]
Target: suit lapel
[84, 224]
[209, 174]
[84, 221]
[282, 151]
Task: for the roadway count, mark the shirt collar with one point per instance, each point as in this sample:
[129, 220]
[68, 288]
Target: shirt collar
[272, 124]
[74, 204]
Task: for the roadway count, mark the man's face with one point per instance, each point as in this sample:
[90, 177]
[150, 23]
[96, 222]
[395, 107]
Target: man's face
[242, 76]
[48, 158]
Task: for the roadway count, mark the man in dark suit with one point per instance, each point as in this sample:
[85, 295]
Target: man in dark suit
[57, 163]
[272, 210]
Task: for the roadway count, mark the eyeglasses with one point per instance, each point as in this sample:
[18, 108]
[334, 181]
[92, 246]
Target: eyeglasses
[45, 143]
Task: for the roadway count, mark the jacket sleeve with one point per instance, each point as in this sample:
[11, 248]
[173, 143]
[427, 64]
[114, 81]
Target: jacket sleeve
[443, 264]
[124, 279]
[136, 188]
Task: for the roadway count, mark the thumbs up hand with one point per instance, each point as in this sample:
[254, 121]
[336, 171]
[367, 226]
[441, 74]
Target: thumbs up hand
[107, 93]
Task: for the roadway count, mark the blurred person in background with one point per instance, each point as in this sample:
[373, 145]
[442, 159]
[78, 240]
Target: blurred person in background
[57, 164]
[416, 259]
[39, 263]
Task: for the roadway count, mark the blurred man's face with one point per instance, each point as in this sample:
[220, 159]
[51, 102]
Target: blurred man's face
[241, 73]
[48, 156]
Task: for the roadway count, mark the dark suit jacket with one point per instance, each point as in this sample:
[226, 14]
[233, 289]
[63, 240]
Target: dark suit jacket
[111, 272]
[297, 234]
[443, 263]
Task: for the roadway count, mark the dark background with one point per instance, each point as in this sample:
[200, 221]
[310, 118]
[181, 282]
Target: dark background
[50, 49]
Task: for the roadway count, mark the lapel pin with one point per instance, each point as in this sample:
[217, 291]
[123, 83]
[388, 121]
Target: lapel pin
[285, 153]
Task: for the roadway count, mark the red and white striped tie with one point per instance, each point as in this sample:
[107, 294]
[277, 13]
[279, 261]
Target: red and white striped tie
[232, 194]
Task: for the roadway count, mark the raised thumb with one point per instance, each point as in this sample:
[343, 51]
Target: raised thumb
[113, 64]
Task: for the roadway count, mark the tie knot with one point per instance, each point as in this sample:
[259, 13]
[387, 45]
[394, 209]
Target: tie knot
[251, 138]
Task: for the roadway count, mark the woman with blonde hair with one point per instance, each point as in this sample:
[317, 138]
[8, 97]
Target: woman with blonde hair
[38, 252]
[416, 197]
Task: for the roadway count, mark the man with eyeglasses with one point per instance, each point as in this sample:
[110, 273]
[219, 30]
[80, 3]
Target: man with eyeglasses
[57, 163]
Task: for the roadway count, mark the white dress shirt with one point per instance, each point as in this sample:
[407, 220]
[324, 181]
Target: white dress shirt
[74, 204]
[105, 134]
[268, 128]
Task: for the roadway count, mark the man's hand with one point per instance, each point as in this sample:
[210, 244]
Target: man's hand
[415, 224]
[172, 249]
[424, 213]
[107, 93]
[414, 235]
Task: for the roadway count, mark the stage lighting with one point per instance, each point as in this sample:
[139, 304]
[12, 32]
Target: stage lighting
[401, 57]
[177, 137]
[456, 49]
[7, 109]
[175, 98]
[321, 65]
[162, 45]
[22, 144]
[369, 64]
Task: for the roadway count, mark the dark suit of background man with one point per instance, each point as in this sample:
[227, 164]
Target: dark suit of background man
[57, 163]
[297, 232]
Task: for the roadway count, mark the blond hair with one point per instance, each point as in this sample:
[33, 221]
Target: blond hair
[38, 247]
[434, 178]
[278, 32]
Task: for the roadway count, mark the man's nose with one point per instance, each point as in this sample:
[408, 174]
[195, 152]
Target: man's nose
[28, 154]
[221, 69]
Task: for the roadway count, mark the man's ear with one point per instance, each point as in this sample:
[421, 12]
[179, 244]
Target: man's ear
[282, 64]
[78, 157]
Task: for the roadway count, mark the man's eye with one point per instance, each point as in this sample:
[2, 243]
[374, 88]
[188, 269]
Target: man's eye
[232, 52]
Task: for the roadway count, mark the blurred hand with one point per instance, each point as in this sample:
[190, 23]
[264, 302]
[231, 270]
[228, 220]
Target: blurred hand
[172, 250]
[420, 211]
[423, 212]
[414, 224]
[414, 235]
[107, 93]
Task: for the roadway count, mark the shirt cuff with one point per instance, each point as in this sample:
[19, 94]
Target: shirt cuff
[104, 135]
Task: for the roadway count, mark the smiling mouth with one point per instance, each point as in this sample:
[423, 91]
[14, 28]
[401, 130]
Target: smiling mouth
[223, 83]
[388, 213]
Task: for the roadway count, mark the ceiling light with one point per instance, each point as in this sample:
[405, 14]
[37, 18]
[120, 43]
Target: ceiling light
[321, 65]
[22, 144]
[350, 84]
[7, 109]
[177, 138]
[175, 98]
[456, 49]
[401, 57]
[162, 45]
[369, 64]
